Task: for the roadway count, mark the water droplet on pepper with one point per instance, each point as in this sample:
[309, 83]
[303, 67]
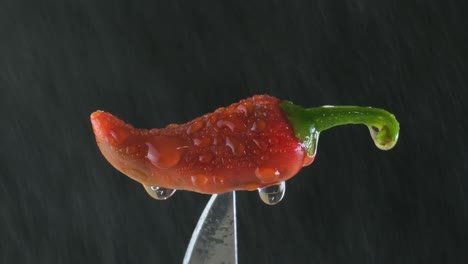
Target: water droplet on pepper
[218, 180]
[382, 143]
[272, 195]
[205, 158]
[217, 140]
[273, 141]
[195, 127]
[202, 142]
[199, 180]
[236, 146]
[119, 135]
[228, 124]
[311, 143]
[267, 174]
[172, 126]
[260, 144]
[165, 152]
[159, 193]
[258, 126]
[130, 149]
[242, 109]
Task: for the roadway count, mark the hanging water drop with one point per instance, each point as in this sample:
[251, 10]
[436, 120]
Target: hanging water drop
[272, 195]
[381, 138]
[159, 193]
[310, 144]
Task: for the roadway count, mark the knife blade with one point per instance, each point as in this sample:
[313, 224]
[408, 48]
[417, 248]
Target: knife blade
[214, 239]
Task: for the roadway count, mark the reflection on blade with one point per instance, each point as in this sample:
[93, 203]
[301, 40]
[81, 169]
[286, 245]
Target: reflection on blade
[214, 239]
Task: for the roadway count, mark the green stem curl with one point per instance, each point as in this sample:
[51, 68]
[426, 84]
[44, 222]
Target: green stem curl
[308, 123]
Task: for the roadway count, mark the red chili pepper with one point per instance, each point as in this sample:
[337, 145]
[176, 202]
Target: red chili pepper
[259, 142]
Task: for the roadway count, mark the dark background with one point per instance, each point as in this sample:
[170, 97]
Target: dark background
[158, 62]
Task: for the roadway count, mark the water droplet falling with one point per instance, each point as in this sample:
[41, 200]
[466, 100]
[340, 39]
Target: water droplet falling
[272, 195]
[159, 193]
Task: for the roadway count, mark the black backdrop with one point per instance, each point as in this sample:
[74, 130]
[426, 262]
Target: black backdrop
[157, 62]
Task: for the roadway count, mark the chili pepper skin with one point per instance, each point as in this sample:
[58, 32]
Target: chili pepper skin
[245, 146]
[258, 142]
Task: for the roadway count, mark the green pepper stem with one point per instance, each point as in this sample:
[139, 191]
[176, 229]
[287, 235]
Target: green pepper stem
[308, 123]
